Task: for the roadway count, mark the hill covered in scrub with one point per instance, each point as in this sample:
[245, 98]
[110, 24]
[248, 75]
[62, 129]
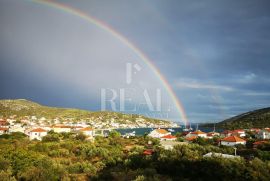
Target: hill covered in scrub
[258, 119]
[24, 108]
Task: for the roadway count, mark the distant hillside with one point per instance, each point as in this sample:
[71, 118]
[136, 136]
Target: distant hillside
[259, 118]
[24, 108]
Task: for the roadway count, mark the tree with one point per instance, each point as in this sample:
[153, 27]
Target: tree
[114, 134]
[51, 137]
[80, 136]
[6, 175]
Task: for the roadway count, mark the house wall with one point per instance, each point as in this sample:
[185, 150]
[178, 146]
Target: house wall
[61, 130]
[225, 143]
[166, 139]
[17, 129]
[3, 132]
[88, 133]
[242, 134]
[37, 135]
[199, 135]
[156, 134]
[263, 135]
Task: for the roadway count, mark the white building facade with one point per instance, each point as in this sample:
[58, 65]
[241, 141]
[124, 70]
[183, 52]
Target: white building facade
[38, 134]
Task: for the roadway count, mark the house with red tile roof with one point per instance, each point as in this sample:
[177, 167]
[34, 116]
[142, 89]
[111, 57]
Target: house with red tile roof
[212, 134]
[226, 133]
[197, 133]
[258, 143]
[61, 128]
[239, 132]
[4, 130]
[255, 130]
[148, 152]
[4, 123]
[87, 131]
[37, 133]
[263, 134]
[191, 138]
[232, 141]
[168, 137]
[158, 133]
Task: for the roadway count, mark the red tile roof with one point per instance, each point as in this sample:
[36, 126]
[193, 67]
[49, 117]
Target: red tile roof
[198, 132]
[148, 152]
[227, 132]
[77, 127]
[233, 139]
[86, 129]
[161, 131]
[255, 129]
[191, 138]
[2, 122]
[3, 129]
[212, 133]
[38, 130]
[169, 137]
[260, 142]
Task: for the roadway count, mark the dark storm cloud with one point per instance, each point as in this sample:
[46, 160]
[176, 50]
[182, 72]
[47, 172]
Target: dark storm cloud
[215, 53]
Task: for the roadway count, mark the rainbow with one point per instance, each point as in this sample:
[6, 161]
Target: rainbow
[109, 29]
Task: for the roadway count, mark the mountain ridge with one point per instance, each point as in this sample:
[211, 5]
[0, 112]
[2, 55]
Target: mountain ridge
[259, 118]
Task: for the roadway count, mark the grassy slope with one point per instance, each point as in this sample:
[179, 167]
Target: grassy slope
[22, 107]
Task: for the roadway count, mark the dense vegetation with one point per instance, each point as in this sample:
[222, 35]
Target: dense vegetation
[70, 157]
[255, 119]
[22, 108]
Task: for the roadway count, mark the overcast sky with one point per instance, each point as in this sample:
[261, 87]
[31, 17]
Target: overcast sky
[214, 54]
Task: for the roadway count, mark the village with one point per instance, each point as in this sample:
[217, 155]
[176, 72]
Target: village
[82, 142]
[36, 129]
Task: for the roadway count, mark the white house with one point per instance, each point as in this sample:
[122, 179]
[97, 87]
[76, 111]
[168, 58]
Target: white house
[3, 130]
[232, 141]
[168, 145]
[226, 133]
[239, 132]
[17, 128]
[37, 133]
[263, 134]
[197, 133]
[4, 123]
[61, 129]
[168, 137]
[220, 155]
[158, 133]
[87, 131]
[212, 134]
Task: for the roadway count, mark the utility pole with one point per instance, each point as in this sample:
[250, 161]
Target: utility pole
[235, 151]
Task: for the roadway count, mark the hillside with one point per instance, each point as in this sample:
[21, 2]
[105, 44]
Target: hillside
[26, 109]
[258, 118]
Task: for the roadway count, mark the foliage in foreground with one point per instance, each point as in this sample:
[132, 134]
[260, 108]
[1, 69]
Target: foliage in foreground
[67, 157]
